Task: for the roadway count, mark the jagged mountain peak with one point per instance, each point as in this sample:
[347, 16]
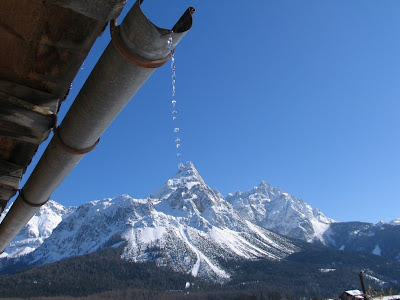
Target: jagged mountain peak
[187, 170]
[274, 209]
[185, 179]
[187, 192]
[262, 188]
[187, 174]
[263, 184]
[267, 190]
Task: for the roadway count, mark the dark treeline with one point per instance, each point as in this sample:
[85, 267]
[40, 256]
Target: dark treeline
[104, 275]
[173, 295]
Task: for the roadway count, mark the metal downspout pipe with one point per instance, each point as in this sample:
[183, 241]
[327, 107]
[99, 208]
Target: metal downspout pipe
[136, 49]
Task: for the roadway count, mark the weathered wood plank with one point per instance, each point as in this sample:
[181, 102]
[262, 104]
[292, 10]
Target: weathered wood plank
[6, 194]
[102, 10]
[8, 187]
[43, 50]
[12, 181]
[10, 168]
[3, 204]
[22, 133]
[24, 121]
[39, 123]
[36, 97]
[16, 151]
[10, 174]
[15, 101]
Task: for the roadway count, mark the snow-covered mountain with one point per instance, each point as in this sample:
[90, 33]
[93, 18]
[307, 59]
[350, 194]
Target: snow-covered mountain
[185, 225]
[37, 230]
[273, 209]
[193, 229]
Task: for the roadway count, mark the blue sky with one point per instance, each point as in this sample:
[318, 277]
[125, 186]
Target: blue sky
[302, 94]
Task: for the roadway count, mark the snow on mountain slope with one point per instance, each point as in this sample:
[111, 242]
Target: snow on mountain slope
[380, 239]
[37, 230]
[273, 209]
[185, 225]
[395, 222]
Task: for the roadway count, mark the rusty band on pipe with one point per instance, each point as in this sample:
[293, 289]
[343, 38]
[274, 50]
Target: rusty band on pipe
[134, 58]
[21, 194]
[68, 149]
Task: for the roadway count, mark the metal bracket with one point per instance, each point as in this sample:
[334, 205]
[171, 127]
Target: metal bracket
[128, 54]
[68, 149]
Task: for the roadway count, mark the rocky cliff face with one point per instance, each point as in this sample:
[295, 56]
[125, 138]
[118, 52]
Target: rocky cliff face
[273, 209]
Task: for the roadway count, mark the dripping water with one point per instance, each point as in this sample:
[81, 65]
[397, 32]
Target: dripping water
[174, 104]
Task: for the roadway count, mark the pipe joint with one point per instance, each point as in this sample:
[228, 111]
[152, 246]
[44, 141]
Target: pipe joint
[128, 54]
[68, 149]
[21, 195]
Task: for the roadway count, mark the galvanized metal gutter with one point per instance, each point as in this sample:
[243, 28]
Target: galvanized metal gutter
[136, 49]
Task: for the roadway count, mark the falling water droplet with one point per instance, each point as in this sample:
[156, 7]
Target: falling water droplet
[173, 102]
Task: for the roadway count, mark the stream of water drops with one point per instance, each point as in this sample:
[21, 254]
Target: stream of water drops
[174, 106]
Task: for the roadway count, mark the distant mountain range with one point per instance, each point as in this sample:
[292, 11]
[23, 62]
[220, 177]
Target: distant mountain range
[193, 229]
